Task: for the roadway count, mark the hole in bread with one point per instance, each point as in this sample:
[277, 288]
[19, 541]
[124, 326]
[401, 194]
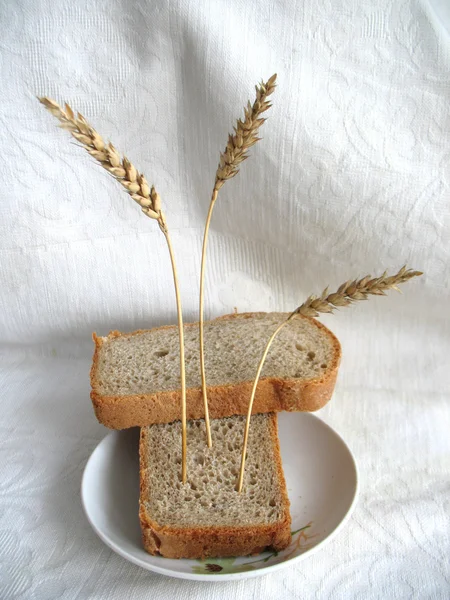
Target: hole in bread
[323, 366]
[199, 459]
[311, 355]
[272, 502]
[300, 347]
[161, 353]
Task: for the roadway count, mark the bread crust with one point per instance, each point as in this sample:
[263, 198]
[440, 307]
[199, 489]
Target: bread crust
[202, 542]
[273, 394]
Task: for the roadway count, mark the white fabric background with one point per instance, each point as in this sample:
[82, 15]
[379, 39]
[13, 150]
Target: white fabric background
[352, 176]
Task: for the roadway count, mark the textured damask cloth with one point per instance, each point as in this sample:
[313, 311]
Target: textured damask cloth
[352, 177]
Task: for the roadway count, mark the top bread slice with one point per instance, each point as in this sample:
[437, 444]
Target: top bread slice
[135, 376]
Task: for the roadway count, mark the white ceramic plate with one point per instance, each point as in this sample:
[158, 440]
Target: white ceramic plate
[322, 484]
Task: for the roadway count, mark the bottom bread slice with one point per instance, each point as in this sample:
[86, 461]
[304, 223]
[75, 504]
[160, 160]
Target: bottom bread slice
[206, 516]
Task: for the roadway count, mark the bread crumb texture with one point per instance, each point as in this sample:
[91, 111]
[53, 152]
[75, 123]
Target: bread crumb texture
[209, 497]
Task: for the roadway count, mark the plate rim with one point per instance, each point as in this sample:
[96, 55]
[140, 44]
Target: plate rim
[226, 576]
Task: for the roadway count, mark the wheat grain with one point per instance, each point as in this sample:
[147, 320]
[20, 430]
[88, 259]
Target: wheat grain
[347, 293]
[148, 199]
[244, 137]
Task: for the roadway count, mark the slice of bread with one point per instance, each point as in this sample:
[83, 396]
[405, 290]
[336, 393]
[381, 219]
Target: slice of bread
[135, 377]
[207, 516]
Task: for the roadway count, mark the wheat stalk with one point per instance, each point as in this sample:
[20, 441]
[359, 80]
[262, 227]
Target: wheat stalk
[148, 199]
[236, 151]
[346, 294]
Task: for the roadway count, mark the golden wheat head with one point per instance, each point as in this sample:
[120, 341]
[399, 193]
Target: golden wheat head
[245, 133]
[106, 154]
[351, 291]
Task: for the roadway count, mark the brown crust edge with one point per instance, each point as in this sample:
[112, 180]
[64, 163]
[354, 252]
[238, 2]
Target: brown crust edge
[273, 394]
[201, 542]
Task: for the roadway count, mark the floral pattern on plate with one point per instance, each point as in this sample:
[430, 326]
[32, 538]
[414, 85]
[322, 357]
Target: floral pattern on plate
[301, 541]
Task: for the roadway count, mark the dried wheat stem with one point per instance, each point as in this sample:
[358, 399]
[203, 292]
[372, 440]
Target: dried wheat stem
[252, 397]
[148, 199]
[201, 319]
[236, 151]
[348, 292]
[182, 361]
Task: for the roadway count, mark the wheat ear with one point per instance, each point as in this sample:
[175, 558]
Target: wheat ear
[236, 151]
[148, 199]
[346, 294]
